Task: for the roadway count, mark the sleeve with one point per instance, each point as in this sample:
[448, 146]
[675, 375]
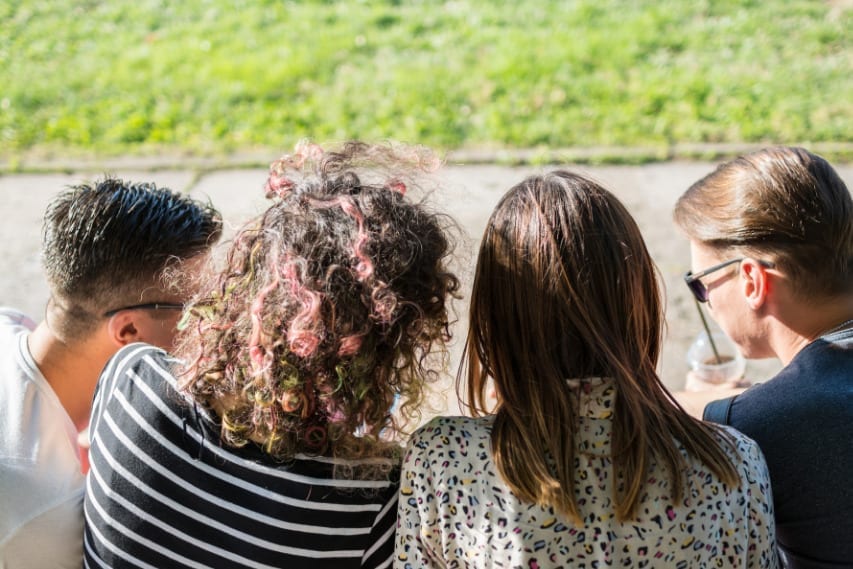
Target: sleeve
[719, 411]
[412, 550]
[761, 551]
[113, 378]
[381, 553]
[53, 539]
[15, 320]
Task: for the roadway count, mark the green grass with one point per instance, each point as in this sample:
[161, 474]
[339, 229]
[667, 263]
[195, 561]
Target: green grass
[217, 76]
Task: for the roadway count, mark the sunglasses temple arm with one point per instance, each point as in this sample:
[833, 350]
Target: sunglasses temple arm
[708, 331]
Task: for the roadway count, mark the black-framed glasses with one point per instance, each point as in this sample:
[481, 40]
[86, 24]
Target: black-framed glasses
[146, 306]
[698, 288]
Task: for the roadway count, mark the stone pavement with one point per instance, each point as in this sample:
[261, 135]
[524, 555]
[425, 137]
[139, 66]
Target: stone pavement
[468, 193]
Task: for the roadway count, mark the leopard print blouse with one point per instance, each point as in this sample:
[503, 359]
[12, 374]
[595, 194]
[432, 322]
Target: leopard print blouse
[456, 511]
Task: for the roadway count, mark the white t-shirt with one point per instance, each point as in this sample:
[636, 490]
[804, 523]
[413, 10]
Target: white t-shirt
[41, 487]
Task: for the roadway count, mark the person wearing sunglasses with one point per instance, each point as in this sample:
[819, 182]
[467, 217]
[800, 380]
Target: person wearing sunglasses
[119, 259]
[771, 240]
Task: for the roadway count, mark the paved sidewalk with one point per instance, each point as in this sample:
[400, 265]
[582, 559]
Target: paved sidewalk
[467, 192]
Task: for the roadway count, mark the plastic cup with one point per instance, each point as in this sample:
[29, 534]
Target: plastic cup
[704, 365]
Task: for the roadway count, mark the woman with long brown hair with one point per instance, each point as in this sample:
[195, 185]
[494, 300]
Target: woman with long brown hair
[585, 460]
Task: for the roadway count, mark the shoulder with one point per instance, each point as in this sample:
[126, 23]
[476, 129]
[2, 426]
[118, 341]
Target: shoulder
[745, 453]
[142, 361]
[455, 431]
[449, 442]
[813, 379]
[448, 451]
[14, 321]
[60, 518]
[137, 375]
[138, 355]
[13, 317]
[742, 445]
[788, 391]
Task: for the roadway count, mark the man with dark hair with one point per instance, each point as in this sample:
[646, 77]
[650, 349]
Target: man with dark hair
[119, 259]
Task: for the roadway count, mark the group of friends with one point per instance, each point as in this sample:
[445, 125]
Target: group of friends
[250, 404]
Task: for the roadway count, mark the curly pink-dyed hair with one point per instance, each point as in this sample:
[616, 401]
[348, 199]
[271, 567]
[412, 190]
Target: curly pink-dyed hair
[329, 304]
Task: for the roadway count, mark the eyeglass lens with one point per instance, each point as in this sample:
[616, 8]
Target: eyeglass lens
[698, 289]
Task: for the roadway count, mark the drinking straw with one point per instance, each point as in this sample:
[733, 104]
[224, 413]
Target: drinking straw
[708, 331]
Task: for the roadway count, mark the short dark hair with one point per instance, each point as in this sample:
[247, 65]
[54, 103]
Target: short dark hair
[104, 243]
[783, 204]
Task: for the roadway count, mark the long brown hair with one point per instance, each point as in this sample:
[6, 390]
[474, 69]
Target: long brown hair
[565, 288]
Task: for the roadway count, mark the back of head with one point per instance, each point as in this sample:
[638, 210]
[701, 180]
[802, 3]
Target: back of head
[106, 244]
[328, 306]
[564, 276]
[565, 289]
[781, 204]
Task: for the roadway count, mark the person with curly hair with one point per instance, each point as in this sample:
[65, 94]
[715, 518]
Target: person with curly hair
[269, 440]
[586, 460]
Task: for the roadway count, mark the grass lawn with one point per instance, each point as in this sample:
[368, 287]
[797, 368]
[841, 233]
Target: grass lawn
[217, 76]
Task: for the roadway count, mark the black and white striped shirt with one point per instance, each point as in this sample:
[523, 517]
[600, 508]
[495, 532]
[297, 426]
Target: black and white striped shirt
[162, 492]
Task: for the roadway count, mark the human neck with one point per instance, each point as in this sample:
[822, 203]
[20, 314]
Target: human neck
[804, 323]
[71, 369]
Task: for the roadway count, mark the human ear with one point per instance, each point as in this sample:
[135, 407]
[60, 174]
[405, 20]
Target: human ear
[122, 328]
[755, 283]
